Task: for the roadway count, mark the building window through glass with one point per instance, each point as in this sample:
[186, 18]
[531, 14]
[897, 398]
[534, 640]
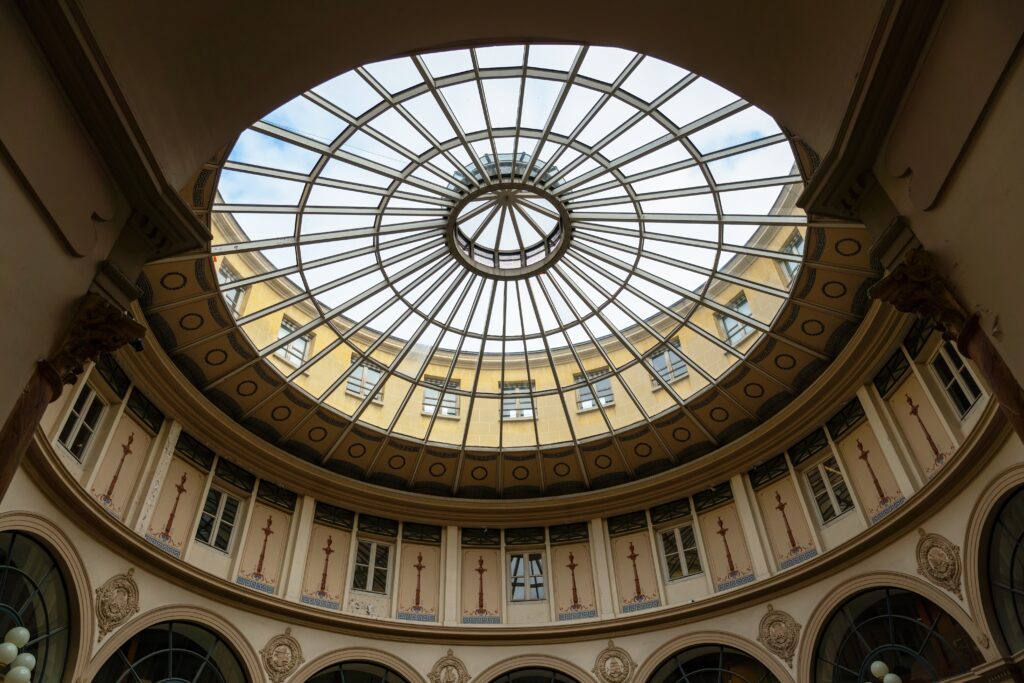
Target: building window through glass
[668, 363]
[517, 401]
[526, 573]
[794, 246]
[373, 560]
[956, 378]
[736, 331]
[217, 523]
[444, 404]
[294, 352]
[364, 377]
[601, 384]
[81, 422]
[679, 548]
[829, 489]
[232, 297]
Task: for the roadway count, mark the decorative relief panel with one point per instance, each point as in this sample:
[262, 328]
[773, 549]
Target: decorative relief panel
[869, 472]
[786, 525]
[572, 578]
[779, 632]
[725, 547]
[263, 554]
[116, 601]
[481, 586]
[448, 669]
[281, 656]
[938, 560]
[418, 580]
[929, 441]
[119, 468]
[614, 665]
[635, 577]
[326, 563]
[176, 507]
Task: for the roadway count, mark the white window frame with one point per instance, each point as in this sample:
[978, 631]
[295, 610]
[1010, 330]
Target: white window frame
[226, 274]
[371, 566]
[218, 519]
[77, 419]
[680, 551]
[672, 374]
[528, 577]
[795, 246]
[518, 392]
[296, 351]
[585, 399]
[957, 367]
[356, 383]
[734, 329]
[443, 403]
[822, 471]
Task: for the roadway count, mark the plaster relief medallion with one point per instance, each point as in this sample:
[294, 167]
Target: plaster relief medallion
[938, 560]
[449, 669]
[281, 656]
[116, 600]
[779, 632]
[614, 665]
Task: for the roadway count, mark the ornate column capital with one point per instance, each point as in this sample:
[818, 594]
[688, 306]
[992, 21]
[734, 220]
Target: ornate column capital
[98, 326]
[915, 286]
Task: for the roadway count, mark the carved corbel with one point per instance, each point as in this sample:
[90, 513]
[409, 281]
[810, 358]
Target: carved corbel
[914, 286]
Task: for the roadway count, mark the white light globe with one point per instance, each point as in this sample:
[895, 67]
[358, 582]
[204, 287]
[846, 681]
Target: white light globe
[18, 674]
[8, 651]
[879, 669]
[18, 636]
[25, 659]
[892, 678]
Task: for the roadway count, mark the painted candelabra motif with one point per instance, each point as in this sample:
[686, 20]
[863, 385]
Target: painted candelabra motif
[114, 482]
[480, 614]
[422, 608]
[886, 503]
[796, 552]
[724, 557]
[938, 456]
[325, 567]
[578, 608]
[265, 570]
[175, 509]
[639, 599]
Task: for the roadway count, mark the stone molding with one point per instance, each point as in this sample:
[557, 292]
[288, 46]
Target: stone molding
[938, 560]
[281, 656]
[614, 665]
[448, 669]
[780, 633]
[117, 600]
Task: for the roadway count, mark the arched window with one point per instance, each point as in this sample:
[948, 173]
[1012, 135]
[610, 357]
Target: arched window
[712, 663]
[33, 594]
[915, 638]
[534, 676]
[1006, 570]
[173, 652]
[356, 672]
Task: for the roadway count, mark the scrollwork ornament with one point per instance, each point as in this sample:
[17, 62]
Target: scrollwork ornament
[116, 601]
[938, 560]
[614, 665]
[281, 656]
[915, 286]
[779, 632]
[449, 669]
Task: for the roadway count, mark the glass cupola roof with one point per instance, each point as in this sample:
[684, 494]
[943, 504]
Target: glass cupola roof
[508, 247]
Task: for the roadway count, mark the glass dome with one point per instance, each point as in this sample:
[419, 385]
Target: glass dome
[508, 247]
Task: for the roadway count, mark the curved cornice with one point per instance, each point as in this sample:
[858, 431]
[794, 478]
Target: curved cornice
[165, 384]
[45, 467]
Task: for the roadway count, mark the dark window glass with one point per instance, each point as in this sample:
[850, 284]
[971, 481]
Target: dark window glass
[1006, 570]
[173, 652]
[712, 664]
[356, 672]
[81, 422]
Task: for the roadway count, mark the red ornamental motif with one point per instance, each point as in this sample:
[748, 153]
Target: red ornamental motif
[126, 449]
[572, 572]
[883, 499]
[328, 551]
[639, 594]
[794, 547]
[938, 456]
[722, 531]
[480, 609]
[419, 566]
[166, 533]
[258, 574]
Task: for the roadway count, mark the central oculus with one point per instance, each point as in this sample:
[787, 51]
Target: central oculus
[508, 229]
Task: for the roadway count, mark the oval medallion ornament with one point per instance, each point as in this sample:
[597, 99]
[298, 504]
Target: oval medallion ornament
[449, 669]
[779, 632]
[116, 600]
[938, 560]
[281, 656]
[614, 665]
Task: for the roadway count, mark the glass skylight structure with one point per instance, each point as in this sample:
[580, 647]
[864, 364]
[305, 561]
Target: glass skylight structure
[515, 215]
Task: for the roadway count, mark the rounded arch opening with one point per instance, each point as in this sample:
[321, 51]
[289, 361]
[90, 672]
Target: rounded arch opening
[34, 595]
[357, 671]
[912, 636]
[712, 662]
[534, 674]
[1002, 560]
[173, 651]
